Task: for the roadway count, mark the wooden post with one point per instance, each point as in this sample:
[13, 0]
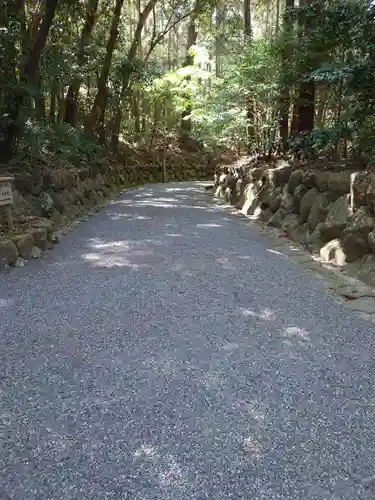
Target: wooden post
[8, 213]
[6, 198]
[164, 170]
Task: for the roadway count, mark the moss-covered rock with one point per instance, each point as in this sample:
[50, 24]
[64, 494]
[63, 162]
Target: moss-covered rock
[39, 235]
[46, 204]
[24, 242]
[8, 252]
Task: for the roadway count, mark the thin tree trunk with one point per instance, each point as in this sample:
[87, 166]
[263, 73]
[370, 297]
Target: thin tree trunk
[250, 121]
[306, 96]
[285, 91]
[219, 38]
[53, 101]
[61, 108]
[94, 120]
[192, 34]
[71, 101]
[137, 93]
[116, 123]
[322, 93]
[277, 16]
[40, 104]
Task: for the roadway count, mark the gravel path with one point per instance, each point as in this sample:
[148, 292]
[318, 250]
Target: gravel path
[162, 352]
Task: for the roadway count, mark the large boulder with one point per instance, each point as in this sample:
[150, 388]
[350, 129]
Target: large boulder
[277, 219]
[280, 175]
[261, 214]
[46, 204]
[256, 174]
[219, 192]
[39, 235]
[319, 210]
[20, 205]
[290, 223]
[23, 183]
[308, 179]
[59, 201]
[275, 199]
[53, 179]
[8, 252]
[240, 188]
[299, 193]
[336, 183]
[44, 224]
[370, 194]
[251, 199]
[355, 235]
[306, 204]
[336, 219]
[371, 241]
[295, 180]
[333, 252]
[299, 233]
[286, 200]
[364, 269]
[361, 221]
[24, 243]
[314, 239]
[265, 193]
[362, 190]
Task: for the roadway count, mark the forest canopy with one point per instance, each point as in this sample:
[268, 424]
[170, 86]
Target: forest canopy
[78, 77]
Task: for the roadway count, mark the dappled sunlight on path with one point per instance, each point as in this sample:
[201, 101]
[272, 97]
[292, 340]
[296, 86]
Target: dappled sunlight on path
[162, 352]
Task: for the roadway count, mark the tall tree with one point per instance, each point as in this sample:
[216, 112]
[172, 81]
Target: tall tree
[306, 95]
[95, 121]
[127, 72]
[285, 90]
[70, 114]
[192, 34]
[249, 106]
[28, 74]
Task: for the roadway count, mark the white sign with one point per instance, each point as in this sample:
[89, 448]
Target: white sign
[6, 195]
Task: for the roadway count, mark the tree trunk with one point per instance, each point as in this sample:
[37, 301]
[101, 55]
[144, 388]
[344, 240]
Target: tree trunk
[53, 101]
[28, 75]
[136, 113]
[192, 34]
[250, 122]
[61, 102]
[277, 16]
[94, 120]
[127, 74]
[306, 96]
[137, 94]
[32, 65]
[219, 37]
[306, 107]
[71, 101]
[285, 91]
[40, 104]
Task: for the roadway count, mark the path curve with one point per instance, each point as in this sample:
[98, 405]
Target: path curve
[162, 352]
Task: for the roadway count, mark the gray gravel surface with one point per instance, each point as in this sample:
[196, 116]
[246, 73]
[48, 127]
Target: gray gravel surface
[161, 351]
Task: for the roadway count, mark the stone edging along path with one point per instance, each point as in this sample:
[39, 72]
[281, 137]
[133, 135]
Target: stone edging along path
[352, 293]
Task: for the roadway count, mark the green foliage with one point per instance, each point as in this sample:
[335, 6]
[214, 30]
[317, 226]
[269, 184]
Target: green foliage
[39, 138]
[232, 94]
[333, 45]
[221, 115]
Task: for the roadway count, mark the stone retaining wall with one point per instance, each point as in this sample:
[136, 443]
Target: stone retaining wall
[49, 199]
[331, 213]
